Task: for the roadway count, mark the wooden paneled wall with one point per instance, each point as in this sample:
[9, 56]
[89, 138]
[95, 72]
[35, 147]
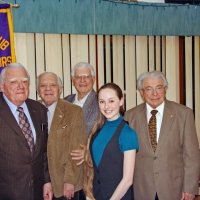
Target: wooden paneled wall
[118, 59]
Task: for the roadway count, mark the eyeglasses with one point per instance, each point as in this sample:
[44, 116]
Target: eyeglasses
[83, 77]
[158, 89]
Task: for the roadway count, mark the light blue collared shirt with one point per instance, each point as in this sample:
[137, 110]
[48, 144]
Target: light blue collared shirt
[14, 111]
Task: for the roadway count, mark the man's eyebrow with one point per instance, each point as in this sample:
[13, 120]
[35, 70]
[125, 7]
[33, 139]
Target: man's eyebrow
[16, 79]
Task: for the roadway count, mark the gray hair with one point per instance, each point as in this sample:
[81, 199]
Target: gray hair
[59, 81]
[152, 74]
[83, 65]
[10, 66]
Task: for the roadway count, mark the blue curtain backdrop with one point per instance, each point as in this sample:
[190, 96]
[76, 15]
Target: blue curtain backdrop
[106, 17]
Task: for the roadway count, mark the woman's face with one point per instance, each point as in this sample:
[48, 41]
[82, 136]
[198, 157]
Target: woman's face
[109, 103]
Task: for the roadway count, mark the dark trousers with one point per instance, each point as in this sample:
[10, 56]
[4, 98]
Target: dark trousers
[156, 198]
[79, 195]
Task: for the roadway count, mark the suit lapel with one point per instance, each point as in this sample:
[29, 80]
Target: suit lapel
[142, 120]
[33, 113]
[58, 115]
[167, 122]
[71, 98]
[7, 116]
[88, 103]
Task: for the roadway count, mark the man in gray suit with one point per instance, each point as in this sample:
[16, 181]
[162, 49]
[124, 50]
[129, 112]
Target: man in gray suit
[23, 139]
[167, 166]
[83, 78]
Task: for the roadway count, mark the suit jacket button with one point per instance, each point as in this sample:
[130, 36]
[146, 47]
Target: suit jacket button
[98, 182]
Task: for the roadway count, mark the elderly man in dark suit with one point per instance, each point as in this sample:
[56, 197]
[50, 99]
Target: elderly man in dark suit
[83, 78]
[66, 132]
[23, 139]
[168, 160]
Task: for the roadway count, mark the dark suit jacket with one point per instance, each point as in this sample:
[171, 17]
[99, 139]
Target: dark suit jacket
[22, 175]
[90, 109]
[175, 166]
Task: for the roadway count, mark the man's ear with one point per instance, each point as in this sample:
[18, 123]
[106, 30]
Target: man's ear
[141, 93]
[60, 90]
[2, 87]
[72, 79]
[94, 79]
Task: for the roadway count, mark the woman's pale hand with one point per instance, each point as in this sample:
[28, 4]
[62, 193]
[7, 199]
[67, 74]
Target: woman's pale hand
[79, 154]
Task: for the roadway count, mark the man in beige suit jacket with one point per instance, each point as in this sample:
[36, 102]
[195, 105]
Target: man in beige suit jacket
[172, 171]
[66, 132]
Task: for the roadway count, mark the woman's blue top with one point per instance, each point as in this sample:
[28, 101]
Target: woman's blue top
[127, 141]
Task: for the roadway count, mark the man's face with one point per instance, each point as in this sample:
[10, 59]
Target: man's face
[16, 85]
[153, 91]
[49, 90]
[83, 81]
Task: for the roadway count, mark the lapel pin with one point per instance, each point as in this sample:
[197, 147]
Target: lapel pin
[64, 126]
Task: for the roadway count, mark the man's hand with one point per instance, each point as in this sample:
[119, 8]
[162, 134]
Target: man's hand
[78, 154]
[47, 191]
[187, 196]
[68, 191]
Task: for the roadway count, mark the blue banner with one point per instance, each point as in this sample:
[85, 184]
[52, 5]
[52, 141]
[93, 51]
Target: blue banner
[7, 51]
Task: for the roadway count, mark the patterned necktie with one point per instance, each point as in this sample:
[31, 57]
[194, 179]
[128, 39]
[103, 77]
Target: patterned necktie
[26, 128]
[152, 129]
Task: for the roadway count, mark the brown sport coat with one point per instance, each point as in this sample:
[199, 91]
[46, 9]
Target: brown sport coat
[66, 133]
[175, 166]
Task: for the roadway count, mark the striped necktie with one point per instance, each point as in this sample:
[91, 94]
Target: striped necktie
[26, 128]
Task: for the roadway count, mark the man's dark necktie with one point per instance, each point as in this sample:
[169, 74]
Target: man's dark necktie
[26, 128]
[152, 129]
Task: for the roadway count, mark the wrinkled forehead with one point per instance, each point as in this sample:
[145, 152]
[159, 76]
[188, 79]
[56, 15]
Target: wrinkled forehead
[16, 73]
[152, 81]
[83, 71]
[48, 78]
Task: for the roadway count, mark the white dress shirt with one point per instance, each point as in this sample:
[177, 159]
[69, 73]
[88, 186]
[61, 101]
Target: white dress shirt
[50, 114]
[81, 101]
[15, 113]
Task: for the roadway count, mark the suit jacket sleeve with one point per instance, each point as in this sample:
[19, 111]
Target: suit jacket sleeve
[191, 155]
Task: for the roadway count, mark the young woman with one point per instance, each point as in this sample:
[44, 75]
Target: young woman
[111, 150]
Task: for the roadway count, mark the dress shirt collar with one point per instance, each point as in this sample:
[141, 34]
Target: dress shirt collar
[12, 106]
[159, 116]
[160, 109]
[50, 113]
[15, 113]
[52, 107]
[81, 101]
